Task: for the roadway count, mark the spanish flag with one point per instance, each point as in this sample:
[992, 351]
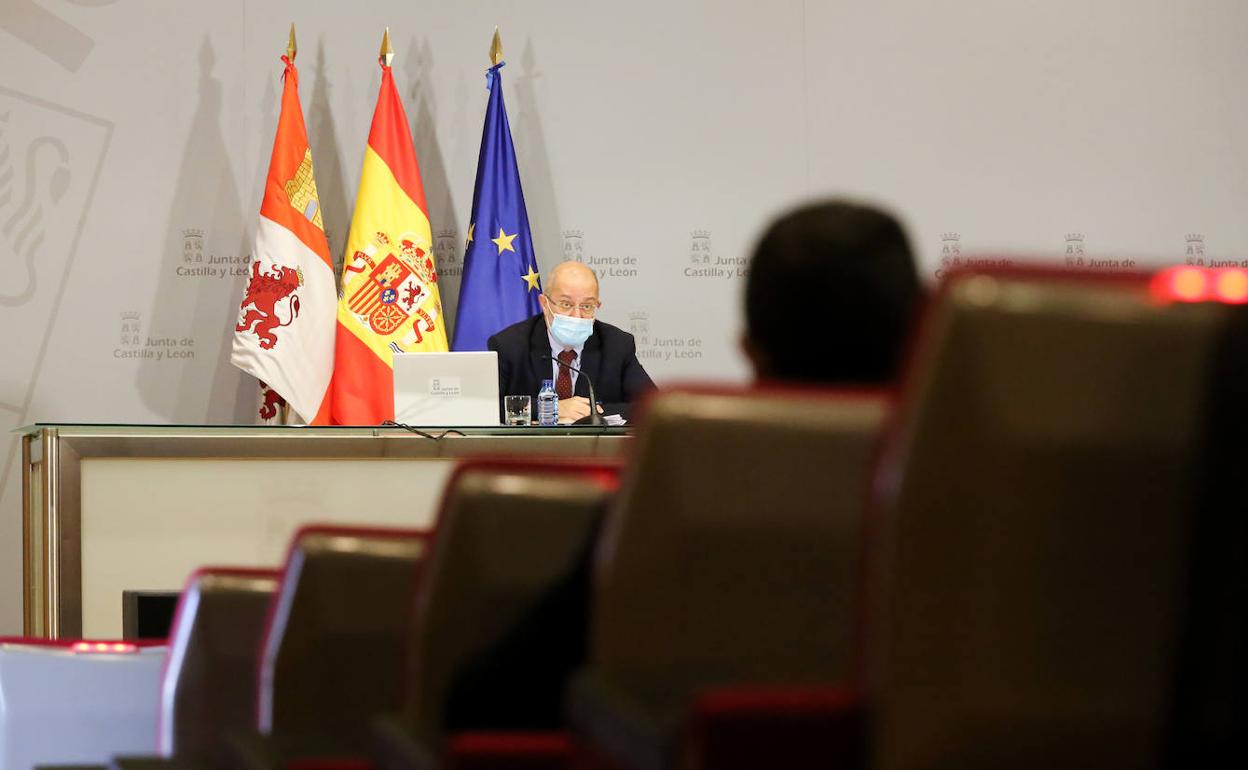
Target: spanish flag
[285, 330]
[388, 301]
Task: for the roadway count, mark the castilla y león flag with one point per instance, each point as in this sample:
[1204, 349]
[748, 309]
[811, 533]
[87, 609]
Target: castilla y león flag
[285, 330]
[388, 301]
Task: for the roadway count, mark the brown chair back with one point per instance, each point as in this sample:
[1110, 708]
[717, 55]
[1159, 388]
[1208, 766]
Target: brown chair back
[732, 553]
[1036, 506]
[507, 531]
[209, 683]
[333, 654]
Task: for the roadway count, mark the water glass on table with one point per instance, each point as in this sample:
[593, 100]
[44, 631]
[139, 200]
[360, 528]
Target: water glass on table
[517, 410]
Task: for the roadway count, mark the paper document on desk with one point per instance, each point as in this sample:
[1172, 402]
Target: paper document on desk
[614, 420]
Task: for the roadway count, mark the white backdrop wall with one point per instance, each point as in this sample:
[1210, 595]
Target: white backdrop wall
[654, 143]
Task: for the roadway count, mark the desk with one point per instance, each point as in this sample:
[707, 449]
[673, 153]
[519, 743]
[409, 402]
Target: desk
[107, 508]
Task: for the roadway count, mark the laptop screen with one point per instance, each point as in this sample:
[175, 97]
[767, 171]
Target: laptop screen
[446, 388]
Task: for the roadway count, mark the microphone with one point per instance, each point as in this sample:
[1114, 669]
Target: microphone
[593, 418]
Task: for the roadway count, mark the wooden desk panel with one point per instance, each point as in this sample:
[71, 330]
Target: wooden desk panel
[110, 508]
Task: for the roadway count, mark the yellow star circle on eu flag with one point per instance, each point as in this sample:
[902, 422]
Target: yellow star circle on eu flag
[531, 278]
[471, 228]
[503, 241]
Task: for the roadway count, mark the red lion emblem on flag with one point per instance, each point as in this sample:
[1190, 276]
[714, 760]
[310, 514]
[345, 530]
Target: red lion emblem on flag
[272, 402]
[264, 291]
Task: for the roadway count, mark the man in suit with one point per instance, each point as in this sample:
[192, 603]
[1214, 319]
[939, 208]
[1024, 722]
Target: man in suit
[567, 330]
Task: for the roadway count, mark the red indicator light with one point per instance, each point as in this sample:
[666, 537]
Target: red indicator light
[103, 647]
[1189, 284]
[1232, 286]
[1197, 284]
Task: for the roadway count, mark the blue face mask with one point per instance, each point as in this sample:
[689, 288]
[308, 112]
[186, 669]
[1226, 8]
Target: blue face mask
[570, 331]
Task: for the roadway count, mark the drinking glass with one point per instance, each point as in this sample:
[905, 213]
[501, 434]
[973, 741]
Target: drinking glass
[516, 410]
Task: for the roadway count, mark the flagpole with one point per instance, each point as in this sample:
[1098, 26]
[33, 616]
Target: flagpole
[500, 283]
[292, 50]
[388, 302]
[386, 55]
[496, 49]
[285, 333]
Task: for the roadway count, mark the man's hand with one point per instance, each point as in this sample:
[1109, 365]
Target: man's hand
[573, 409]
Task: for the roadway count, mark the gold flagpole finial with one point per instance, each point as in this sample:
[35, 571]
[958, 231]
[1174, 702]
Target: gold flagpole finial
[387, 51]
[496, 49]
[292, 47]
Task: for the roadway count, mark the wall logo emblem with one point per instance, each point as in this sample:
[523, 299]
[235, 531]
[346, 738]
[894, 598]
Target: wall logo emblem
[653, 348]
[135, 347]
[50, 162]
[1074, 244]
[950, 246]
[700, 247]
[1075, 257]
[704, 264]
[950, 253]
[446, 247]
[603, 267]
[131, 330]
[192, 245]
[639, 326]
[1195, 254]
[1074, 250]
[195, 263]
[33, 180]
[951, 257]
[574, 245]
[447, 254]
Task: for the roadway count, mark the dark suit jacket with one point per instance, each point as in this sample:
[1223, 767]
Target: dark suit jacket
[609, 358]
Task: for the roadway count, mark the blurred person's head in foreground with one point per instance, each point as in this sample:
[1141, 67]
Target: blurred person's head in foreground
[831, 291]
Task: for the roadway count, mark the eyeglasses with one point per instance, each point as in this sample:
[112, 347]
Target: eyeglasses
[563, 306]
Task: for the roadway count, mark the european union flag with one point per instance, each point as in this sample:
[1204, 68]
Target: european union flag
[500, 282]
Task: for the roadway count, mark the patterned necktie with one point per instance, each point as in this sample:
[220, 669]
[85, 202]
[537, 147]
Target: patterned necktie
[563, 384]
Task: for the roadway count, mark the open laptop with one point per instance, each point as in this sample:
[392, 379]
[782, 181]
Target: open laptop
[446, 388]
